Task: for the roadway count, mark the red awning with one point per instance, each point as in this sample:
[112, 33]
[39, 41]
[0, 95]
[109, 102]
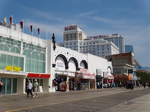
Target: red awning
[35, 75]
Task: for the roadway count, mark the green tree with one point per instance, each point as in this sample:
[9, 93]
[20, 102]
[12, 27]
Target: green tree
[145, 77]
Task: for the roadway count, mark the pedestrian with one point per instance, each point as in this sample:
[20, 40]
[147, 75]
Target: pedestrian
[29, 88]
[144, 84]
[120, 84]
[124, 84]
[36, 87]
[1, 83]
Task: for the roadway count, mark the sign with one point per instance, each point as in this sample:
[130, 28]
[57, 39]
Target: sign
[138, 78]
[99, 36]
[89, 76]
[84, 71]
[35, 75]
[72, 27]
[60, 64]
[123, 58]
[111, 77]
[123, 55]
[40, 89]
[98, 72]
[105, 75]
[12, 68]
[130, 77]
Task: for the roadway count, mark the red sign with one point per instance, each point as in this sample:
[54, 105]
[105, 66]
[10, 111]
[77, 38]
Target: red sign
[123, 55]
[72, 27]
[34, 75]
[84, 71]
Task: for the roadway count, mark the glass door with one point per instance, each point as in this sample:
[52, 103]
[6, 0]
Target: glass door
[4, 84]
[8, 86]
[14, 85]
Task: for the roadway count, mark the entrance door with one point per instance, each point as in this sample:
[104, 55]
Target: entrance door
[8, 85]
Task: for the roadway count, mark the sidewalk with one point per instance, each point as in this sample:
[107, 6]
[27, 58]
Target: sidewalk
[140, 104]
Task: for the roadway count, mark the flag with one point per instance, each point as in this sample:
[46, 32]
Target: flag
[31, 28]
[38, 31]
[10, 20]
[21, 24]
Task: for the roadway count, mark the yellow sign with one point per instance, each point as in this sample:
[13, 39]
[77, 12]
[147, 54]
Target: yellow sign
[12, 68]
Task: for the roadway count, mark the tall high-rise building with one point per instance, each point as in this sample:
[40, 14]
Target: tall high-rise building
[117, 39]
[76, 39]
[129, 48]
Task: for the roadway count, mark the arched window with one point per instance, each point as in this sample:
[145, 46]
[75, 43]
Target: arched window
[4, 47]
[27, 54]
[42, 57]
[15, 50]
[34, 56]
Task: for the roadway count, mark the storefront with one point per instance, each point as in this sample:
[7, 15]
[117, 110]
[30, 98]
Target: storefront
[85, 80]
[123, 78]
[99, 78]
[110, 78]
[42, 79]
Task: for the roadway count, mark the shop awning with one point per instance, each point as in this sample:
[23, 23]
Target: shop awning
[35, 75]
[12, 72]
[110, 77]
[85, 76]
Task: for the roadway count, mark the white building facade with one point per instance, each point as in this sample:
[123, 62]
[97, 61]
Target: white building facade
[24, 57]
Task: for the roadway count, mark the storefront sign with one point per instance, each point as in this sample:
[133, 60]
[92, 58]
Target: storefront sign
[89, 76]
[105, 75]
[34, 75]
[79, 75]
[130, 77]
[84, 71]
[98, 72]
[111, 77]
[60, 64]
[12, 68]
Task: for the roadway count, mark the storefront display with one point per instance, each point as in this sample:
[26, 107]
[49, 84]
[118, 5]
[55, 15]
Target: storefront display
[98, 78]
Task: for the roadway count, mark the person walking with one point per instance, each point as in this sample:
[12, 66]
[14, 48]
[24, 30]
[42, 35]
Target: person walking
[29, 89]
[144, 84]
[1, 83]
[36, 87]
[120, 85]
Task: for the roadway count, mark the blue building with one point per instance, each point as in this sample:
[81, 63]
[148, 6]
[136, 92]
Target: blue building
[129, 48]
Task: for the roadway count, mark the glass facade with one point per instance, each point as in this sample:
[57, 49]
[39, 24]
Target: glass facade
[9, 85]
[35, 55]
[8, 60]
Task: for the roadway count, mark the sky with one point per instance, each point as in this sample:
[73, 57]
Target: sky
[130, 18]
